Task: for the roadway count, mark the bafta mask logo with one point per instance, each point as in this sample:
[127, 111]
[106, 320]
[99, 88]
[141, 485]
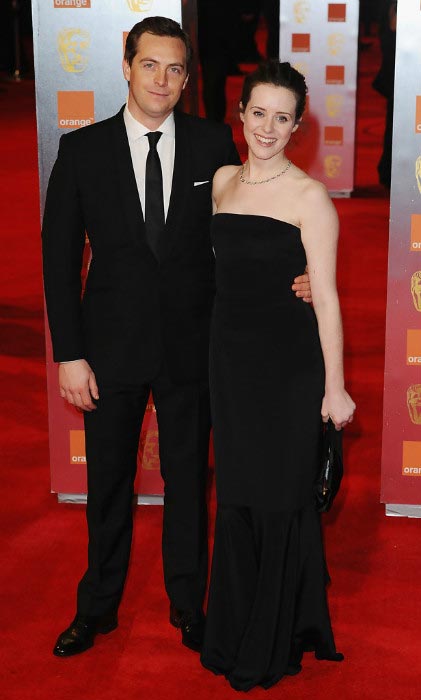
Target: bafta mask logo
[413, 400]
[333, 165]
[416, 289]
[334, 105]
[140, 5]
[418, 173]
[335, 43]
[149, 448]
[301, 11]
[73, 47]
[302, 68]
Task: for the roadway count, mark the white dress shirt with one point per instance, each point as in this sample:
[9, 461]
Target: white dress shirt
[139, 148]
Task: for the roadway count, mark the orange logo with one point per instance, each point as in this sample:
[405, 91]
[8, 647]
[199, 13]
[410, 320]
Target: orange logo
[411, 458]
[75, 109]
[72, 3]
[334, 135]
[418, 115]
[300, 42]
[77, 447]
[413, 347]
[335, 75]
[336, 12]
[416, 232]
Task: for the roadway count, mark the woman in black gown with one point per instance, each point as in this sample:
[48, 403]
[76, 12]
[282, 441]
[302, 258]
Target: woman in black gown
[276, 371]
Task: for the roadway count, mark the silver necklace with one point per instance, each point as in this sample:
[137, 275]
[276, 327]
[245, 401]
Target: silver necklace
[262, 182]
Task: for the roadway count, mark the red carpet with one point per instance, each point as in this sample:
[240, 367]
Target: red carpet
[374, 561]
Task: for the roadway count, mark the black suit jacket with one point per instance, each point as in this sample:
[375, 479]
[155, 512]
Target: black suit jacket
[136, 311]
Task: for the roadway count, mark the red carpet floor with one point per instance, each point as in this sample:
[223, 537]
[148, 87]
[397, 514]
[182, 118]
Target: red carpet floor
[374, 561]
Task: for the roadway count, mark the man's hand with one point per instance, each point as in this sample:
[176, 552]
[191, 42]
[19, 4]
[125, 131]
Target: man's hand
[77, 384]
[302, 288]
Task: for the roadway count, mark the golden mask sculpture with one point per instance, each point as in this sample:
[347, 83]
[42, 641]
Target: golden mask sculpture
[140, 5]
[334, 105]
[73, 47]
[413, 400]
[418, 173]
[335, 43]
[416, 289]
[332, 165]
[301, 11]
[301, 67]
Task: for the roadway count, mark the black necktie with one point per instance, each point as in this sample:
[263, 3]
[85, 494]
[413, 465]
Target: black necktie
[154, 198]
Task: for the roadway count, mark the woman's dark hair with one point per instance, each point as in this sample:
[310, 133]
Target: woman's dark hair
[160, 26]
[272, 72]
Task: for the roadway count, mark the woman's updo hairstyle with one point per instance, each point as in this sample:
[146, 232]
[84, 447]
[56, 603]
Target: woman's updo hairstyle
[272, 72]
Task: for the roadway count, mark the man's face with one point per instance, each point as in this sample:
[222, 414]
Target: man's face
[157, 77]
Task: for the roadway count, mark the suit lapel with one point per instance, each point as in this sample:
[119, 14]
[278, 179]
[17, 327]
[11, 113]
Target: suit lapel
[129, 195]
[181, 184]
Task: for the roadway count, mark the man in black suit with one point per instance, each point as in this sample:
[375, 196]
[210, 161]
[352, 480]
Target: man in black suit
[143, 322]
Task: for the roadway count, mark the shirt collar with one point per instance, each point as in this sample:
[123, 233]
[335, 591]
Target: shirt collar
[135, 129]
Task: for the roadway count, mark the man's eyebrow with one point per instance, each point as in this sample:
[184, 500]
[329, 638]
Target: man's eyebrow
[154, 60]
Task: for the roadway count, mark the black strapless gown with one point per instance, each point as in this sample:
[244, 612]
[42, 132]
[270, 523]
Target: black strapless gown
[267, 599]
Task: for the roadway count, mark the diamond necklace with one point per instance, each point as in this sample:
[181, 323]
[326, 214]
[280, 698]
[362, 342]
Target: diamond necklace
[261, 182]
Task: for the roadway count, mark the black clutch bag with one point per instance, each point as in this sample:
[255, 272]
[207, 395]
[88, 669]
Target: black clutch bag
[331, 467]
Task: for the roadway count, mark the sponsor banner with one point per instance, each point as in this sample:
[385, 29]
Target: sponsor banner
[78, 53]
[401, 458]
[320, 39]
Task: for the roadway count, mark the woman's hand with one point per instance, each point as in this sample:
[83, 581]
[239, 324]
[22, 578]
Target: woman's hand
[339, 407]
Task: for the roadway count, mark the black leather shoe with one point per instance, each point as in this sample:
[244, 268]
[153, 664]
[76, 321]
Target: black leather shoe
[80, 634]
[192, 625]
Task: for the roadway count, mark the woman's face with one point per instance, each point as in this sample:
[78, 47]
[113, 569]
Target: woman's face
[269, 120]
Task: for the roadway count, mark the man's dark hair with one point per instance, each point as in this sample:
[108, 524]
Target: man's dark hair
[159, 26]
[272, 72]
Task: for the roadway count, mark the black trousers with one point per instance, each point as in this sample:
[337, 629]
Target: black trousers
[112, 439]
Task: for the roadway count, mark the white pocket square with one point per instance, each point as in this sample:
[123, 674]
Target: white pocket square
[203, 182]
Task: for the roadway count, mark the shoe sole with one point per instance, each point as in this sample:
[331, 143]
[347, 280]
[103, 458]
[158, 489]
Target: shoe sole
[65, 654]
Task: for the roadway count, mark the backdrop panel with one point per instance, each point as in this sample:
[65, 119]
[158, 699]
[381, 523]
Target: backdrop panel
[401, 459]
[78, 49]
[320, 39]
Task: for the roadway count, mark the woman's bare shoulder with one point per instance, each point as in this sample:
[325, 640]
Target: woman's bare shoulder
[313, 193]
[224, 174]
